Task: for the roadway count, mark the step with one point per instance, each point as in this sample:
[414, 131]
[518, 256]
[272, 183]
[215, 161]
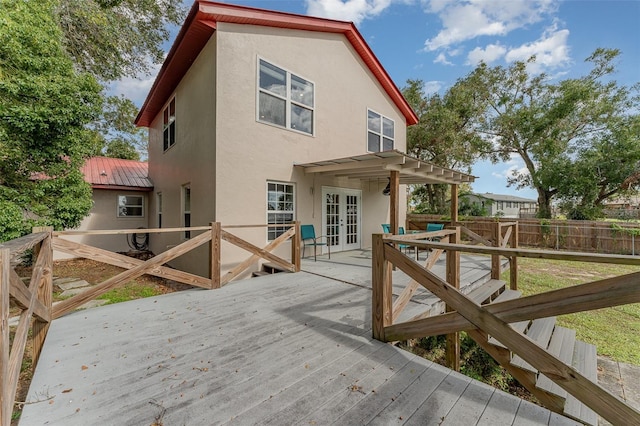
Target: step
[585, 360]
[561, 346]
[540, 332]
[509, 294]
[272, 268]
[484, 292]
[259, 273]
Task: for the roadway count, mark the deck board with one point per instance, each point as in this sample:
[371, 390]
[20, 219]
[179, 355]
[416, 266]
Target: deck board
[277, 349]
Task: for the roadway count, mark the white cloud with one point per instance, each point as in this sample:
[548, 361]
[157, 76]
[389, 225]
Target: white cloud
[489, 54]
[431, 87]
[551, 51]
[135, 89]
[442, 59]
[348, 10]
[467, 19]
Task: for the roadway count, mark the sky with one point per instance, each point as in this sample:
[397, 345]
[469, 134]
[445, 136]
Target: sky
[440, 41]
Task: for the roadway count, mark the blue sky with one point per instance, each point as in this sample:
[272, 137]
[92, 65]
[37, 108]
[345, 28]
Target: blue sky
[439, 41]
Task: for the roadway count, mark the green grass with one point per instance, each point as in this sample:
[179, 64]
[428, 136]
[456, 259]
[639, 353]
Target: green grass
[615, 331]
[129, 291]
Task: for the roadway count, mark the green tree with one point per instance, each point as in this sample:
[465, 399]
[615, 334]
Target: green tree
[444, 136]
[549, 125]
[115, 38]
[116, 135]
[45, 105]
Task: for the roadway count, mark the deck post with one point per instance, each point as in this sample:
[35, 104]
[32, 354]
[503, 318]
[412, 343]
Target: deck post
[454, 205]
[295, 247]
[6, 405]
[513, 260]
[215, 248]
[453, 279]
[45, 292]
[381, 300]
[394, 210]
[495, 258]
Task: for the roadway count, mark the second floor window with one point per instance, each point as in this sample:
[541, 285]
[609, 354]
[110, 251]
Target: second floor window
[380, 132]
[285, 99]
[169, 125]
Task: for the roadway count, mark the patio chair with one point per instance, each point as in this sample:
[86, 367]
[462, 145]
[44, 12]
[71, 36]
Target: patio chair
[431, 227]
[308, 237]
[386, 228]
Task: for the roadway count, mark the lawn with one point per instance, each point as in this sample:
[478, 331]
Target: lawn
[615, 331]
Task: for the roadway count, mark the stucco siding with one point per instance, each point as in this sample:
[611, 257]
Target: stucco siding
[250, 153]
[104, 215]
[191, 161]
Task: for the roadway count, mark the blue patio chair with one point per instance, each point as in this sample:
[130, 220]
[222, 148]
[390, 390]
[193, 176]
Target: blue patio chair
[308, 237]
[386, 228]
[431, 227]
[403, 246]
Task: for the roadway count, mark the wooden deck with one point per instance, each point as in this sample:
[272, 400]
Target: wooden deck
[279, 349]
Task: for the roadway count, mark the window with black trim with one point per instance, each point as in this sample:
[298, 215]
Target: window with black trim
[280, 207]
[186, 209]
[285, 99]
[169, 125]
[380, 132]
[159, 200]
[130, 206]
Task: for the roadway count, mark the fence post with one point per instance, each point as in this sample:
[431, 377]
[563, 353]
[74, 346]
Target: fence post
[216, 231]
[495, 258]
[6, 405]
[513, 260]
[453, 279]
[45, 291]
[295, 247]
[381, 300]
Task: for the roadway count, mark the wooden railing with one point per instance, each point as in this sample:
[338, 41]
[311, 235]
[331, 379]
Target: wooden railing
[36, 299]
[494, 319]
[32, 301]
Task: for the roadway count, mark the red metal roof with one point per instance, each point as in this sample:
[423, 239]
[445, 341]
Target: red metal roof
[115, 173]
[201, 23]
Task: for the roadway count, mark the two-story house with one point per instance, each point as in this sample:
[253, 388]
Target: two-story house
[262, 117]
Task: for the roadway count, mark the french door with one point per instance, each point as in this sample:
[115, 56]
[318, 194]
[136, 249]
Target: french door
[341, 219]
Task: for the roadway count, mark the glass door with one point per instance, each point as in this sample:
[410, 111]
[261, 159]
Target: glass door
[341, 219]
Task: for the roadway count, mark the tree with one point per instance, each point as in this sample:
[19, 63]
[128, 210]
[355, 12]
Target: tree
[45, 105]
[548, 125]
[444, 136]
[116, 135]
[111, 39]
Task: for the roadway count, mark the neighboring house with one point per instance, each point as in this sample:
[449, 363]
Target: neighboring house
[121, 190]
[266, 117]
[631, 201]
[503, 205]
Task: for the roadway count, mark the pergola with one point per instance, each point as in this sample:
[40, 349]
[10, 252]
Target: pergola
[399, 168]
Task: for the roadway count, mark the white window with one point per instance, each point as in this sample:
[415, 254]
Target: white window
[380, 132]
[159, 201]
[280, 207]
[169, 125]
[285, 99]
[186, 210]
[130, 206]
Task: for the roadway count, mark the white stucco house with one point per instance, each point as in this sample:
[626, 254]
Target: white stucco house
[266, 117]
[509, 206]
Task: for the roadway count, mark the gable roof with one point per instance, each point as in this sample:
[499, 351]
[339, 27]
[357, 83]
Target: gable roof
[201, 24]
[503, 197]
[115, 173]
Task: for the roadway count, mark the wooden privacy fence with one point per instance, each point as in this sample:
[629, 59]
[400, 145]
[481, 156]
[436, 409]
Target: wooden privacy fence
[572, 235]
[36, 299]
[466, 315]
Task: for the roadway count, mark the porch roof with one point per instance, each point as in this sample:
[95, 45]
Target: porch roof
[378, 165]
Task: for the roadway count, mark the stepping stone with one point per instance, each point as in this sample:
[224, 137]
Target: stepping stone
[73, 291]
[72, 283]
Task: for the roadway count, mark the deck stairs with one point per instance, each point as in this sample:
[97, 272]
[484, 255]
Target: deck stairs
[268, 269]
[559, 341]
